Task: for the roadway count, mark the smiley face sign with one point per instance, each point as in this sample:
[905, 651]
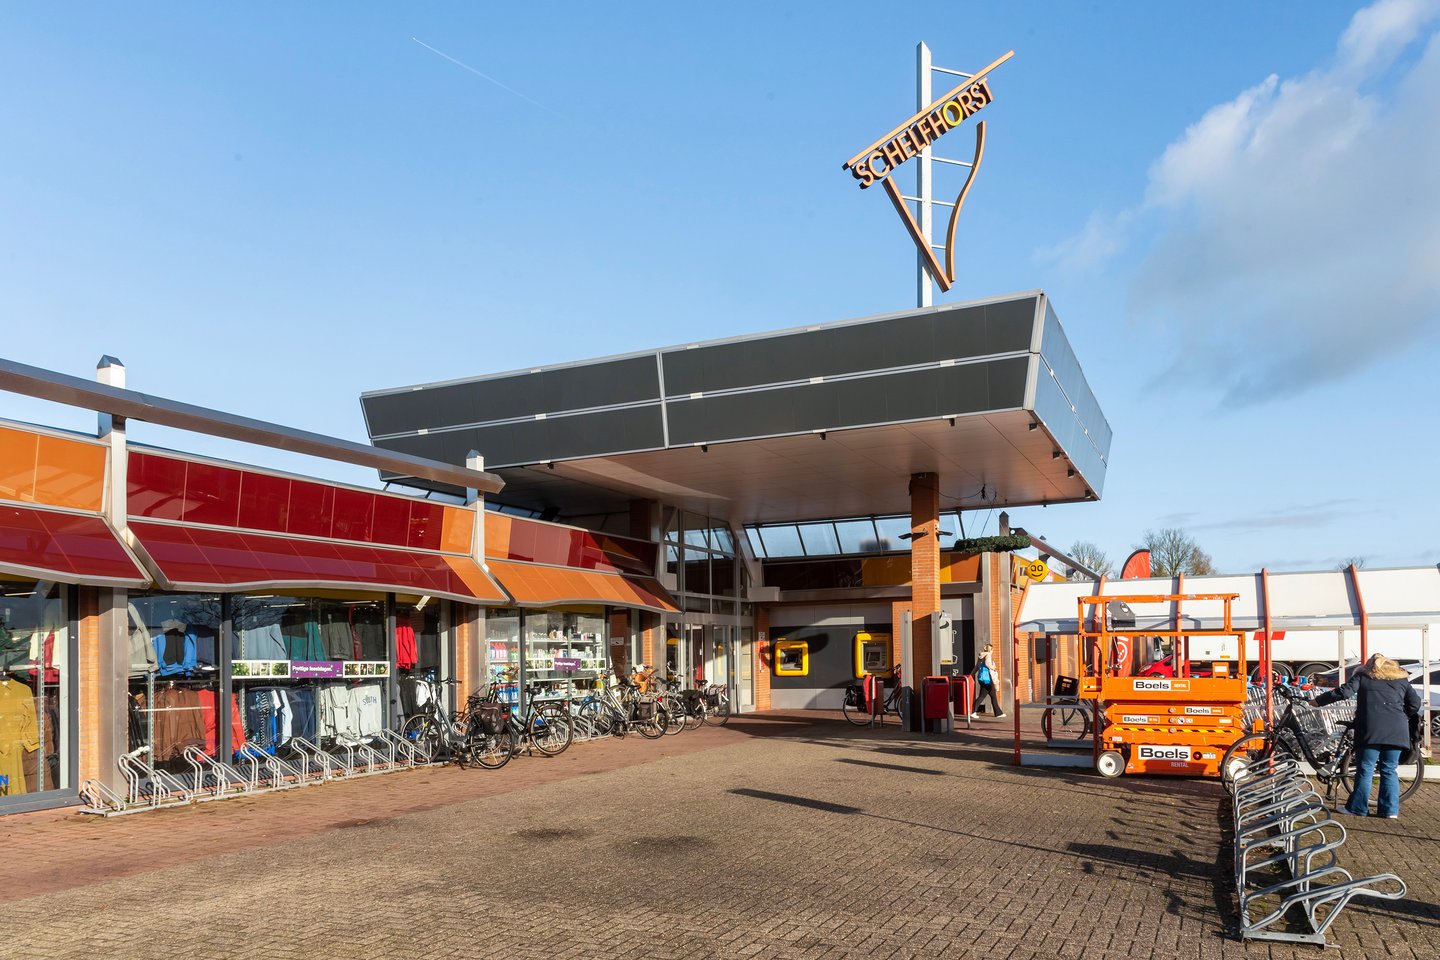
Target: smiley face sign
[1037, 570]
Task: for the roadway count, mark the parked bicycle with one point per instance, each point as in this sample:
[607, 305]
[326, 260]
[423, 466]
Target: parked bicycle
[546, 725]
[1332, 758]
[460, 736]
[857, 711]
[617, 709]
[717, 705]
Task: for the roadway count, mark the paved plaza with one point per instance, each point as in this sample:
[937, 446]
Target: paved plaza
[780, 836]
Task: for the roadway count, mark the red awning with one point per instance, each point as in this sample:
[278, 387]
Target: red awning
[69, 547]
[206, 558]
[537, 585]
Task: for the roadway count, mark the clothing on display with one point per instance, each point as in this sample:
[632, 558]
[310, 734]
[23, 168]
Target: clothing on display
[178, 721]
[19, 734]
[260, 643]
[406, 653]
[351, 713]
[337, 636]
[368, 624]
[207, 711]
[142, 648]
[302, 637]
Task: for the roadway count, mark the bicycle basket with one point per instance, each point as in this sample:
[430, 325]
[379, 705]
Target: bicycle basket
[692, 698]
[493, 717]
[712, 698]
[1067, 686]
[854, 696]
[645, 710]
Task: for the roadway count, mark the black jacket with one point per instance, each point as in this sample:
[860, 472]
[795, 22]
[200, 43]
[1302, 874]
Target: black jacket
[1382, 716]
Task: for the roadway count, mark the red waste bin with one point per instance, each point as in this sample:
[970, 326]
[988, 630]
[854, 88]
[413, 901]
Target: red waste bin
[935, 694]
[962, 691]
[874, 689]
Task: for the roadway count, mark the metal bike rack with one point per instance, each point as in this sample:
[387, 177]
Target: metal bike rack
[211, 779]
[320, 764]
[1287, 875]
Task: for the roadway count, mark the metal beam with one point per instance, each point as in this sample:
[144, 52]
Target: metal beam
[76, 392]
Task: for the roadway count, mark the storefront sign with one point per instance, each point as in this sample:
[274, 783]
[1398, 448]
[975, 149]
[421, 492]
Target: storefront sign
[267, 669]
[1037, 570]
[317, 669]
[880, 158]
[567, 664]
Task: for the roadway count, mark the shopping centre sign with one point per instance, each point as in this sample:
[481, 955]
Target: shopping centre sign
[880, 158]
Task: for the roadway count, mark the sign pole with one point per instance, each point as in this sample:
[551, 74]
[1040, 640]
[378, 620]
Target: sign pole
[925, 290]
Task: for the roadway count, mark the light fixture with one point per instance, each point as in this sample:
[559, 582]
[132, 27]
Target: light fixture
[1054, 454]
[822, 434]
[704, 448]
[1034, 425]
[925, 533]
[1070, 472]
[952, 421]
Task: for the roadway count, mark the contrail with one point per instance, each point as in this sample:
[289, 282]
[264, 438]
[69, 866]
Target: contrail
[485, 76]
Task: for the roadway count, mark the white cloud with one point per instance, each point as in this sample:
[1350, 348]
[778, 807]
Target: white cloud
[1296, 228]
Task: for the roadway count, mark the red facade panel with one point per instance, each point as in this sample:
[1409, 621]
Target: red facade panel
[201, 558]
[63, 546]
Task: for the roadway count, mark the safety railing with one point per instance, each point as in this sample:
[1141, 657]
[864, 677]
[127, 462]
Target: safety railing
[1288, 880]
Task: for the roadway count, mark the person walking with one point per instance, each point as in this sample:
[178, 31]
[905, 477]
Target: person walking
[1386, 708]
[986, 679]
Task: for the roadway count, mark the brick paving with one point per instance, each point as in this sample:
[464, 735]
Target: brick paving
[780, 836]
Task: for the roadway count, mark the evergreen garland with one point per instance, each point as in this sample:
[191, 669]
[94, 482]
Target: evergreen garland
[1013, 541]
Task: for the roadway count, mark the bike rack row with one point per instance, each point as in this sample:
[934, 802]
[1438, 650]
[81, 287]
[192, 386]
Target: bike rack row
[252, 772]
[1287, 874]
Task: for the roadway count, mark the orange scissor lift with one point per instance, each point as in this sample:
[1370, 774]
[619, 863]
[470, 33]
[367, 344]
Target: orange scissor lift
[1176, 726]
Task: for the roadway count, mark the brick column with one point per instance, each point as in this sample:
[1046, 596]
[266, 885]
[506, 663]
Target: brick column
[924, 574]
[92, 676]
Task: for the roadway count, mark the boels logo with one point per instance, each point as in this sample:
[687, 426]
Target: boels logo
[1159, 685]
[1149, 752]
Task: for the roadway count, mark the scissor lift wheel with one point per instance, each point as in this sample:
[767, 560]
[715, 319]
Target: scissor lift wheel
[1110, 763]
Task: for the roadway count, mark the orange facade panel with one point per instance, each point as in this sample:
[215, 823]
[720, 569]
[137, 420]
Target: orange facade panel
[51, 471]
[457, 529]
[537, 585]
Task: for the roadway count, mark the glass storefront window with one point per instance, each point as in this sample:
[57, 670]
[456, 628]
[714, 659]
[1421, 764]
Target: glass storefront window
[174, 652]
[565, 650]
[420, 656]
[502, 643]
[312, 668]
[34, 688]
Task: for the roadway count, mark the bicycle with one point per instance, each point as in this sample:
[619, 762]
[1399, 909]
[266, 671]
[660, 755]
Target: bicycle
[717, 705]
[460, 737]
[856, 710]
[1068, 717]
[546, 725]
[692, 703]
[1288, 738]
[608, 713]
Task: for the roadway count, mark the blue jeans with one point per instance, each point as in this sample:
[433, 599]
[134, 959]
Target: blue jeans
[1388, 802]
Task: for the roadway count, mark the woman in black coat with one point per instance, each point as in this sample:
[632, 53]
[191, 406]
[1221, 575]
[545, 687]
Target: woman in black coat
[1387, 705]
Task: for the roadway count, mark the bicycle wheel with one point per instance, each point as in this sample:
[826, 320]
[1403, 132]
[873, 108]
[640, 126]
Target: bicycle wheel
[695, 715]
[1065, 723]
[1249, 750]
[854, 712]
[491, 750]
[550, 729]
[672, 713]
[599, 719]
[719, 711]
[652, 728]
[423, 729]
[1407, 787]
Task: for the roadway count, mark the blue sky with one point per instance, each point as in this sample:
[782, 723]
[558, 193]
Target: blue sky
[269, 209]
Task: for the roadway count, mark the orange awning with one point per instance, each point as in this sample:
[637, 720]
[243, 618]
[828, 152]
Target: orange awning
[538, 585]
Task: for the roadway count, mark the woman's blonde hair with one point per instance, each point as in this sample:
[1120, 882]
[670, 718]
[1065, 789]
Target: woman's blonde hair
[1382, 667]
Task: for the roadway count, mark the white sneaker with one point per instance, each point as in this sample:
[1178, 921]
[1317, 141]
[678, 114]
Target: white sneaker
[974, 716]
[1001, 716]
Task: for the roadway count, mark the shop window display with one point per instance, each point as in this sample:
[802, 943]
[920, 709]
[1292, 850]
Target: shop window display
[174, 677]
[311, 668]
[419, 656]
[564, 650]
[34, 680]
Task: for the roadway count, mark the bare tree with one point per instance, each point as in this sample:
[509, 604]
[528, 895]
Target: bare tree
[1087, 553]
[1173, 551]
[1357, 562]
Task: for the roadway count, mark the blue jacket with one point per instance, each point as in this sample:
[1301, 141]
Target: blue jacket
[1384, 710]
